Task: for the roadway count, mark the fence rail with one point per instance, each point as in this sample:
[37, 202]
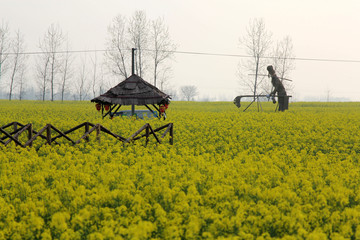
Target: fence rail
[47, 133]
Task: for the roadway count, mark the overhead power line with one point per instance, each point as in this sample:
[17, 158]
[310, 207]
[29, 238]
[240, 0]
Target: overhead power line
[58, 52]
[196, 53]
[269, 57]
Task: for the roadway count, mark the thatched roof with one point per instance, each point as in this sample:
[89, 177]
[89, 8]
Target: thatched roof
[132, 91]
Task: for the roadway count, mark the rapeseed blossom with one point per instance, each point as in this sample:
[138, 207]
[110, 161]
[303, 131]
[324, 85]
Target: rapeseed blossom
[229, 174]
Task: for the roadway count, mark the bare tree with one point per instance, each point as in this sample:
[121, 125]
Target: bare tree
[18, 60]
[101, 80]
[163, 49]
[117, 44]
[66, 72]
[82, 85]
[284, 60]
[139, 31]
[94, 75]
[189, 92]
[22, 83]
[328, 94]
[42, 71]
[163, 77]
[257, 44]
[4, 48]
[50, 46]
[172, 92]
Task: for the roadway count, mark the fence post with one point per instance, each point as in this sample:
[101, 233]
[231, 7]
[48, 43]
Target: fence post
[98, 132]
[48, 133]
[30, 133]
[87, 130]
[147, 134]
[171, 134]
[15, 129]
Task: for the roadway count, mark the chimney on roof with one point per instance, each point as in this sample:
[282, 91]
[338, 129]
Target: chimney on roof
[133, 61]
[132, 73]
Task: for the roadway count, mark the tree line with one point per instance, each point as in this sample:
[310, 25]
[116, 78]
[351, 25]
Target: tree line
[60, 73]
[56, 72]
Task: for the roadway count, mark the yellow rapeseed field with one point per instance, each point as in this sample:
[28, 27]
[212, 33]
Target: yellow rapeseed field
[229, 175]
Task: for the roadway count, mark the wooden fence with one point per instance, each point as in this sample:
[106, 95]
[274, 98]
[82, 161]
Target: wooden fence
[47, 133]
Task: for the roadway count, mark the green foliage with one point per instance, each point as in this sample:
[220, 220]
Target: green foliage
[229, 175]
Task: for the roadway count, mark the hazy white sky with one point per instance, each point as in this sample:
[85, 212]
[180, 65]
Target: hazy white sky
[320, 29]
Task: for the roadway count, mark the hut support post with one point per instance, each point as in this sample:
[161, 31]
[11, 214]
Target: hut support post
[110, 111]
[117, 109]
[150, 109]
[132, 110]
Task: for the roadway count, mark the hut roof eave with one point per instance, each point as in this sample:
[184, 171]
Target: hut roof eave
[132, 91]
[129, 100]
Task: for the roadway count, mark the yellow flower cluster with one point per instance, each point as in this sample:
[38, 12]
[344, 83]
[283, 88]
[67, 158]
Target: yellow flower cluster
[229, 174]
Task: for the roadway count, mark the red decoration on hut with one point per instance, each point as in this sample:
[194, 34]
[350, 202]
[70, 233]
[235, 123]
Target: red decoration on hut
[162, 108]
[107, 107]
[98, 106]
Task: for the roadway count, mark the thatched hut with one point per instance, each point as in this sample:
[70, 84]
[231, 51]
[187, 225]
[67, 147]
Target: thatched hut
[132, 91]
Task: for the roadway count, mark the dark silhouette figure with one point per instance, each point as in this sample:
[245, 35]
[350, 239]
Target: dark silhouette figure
[283, 99]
